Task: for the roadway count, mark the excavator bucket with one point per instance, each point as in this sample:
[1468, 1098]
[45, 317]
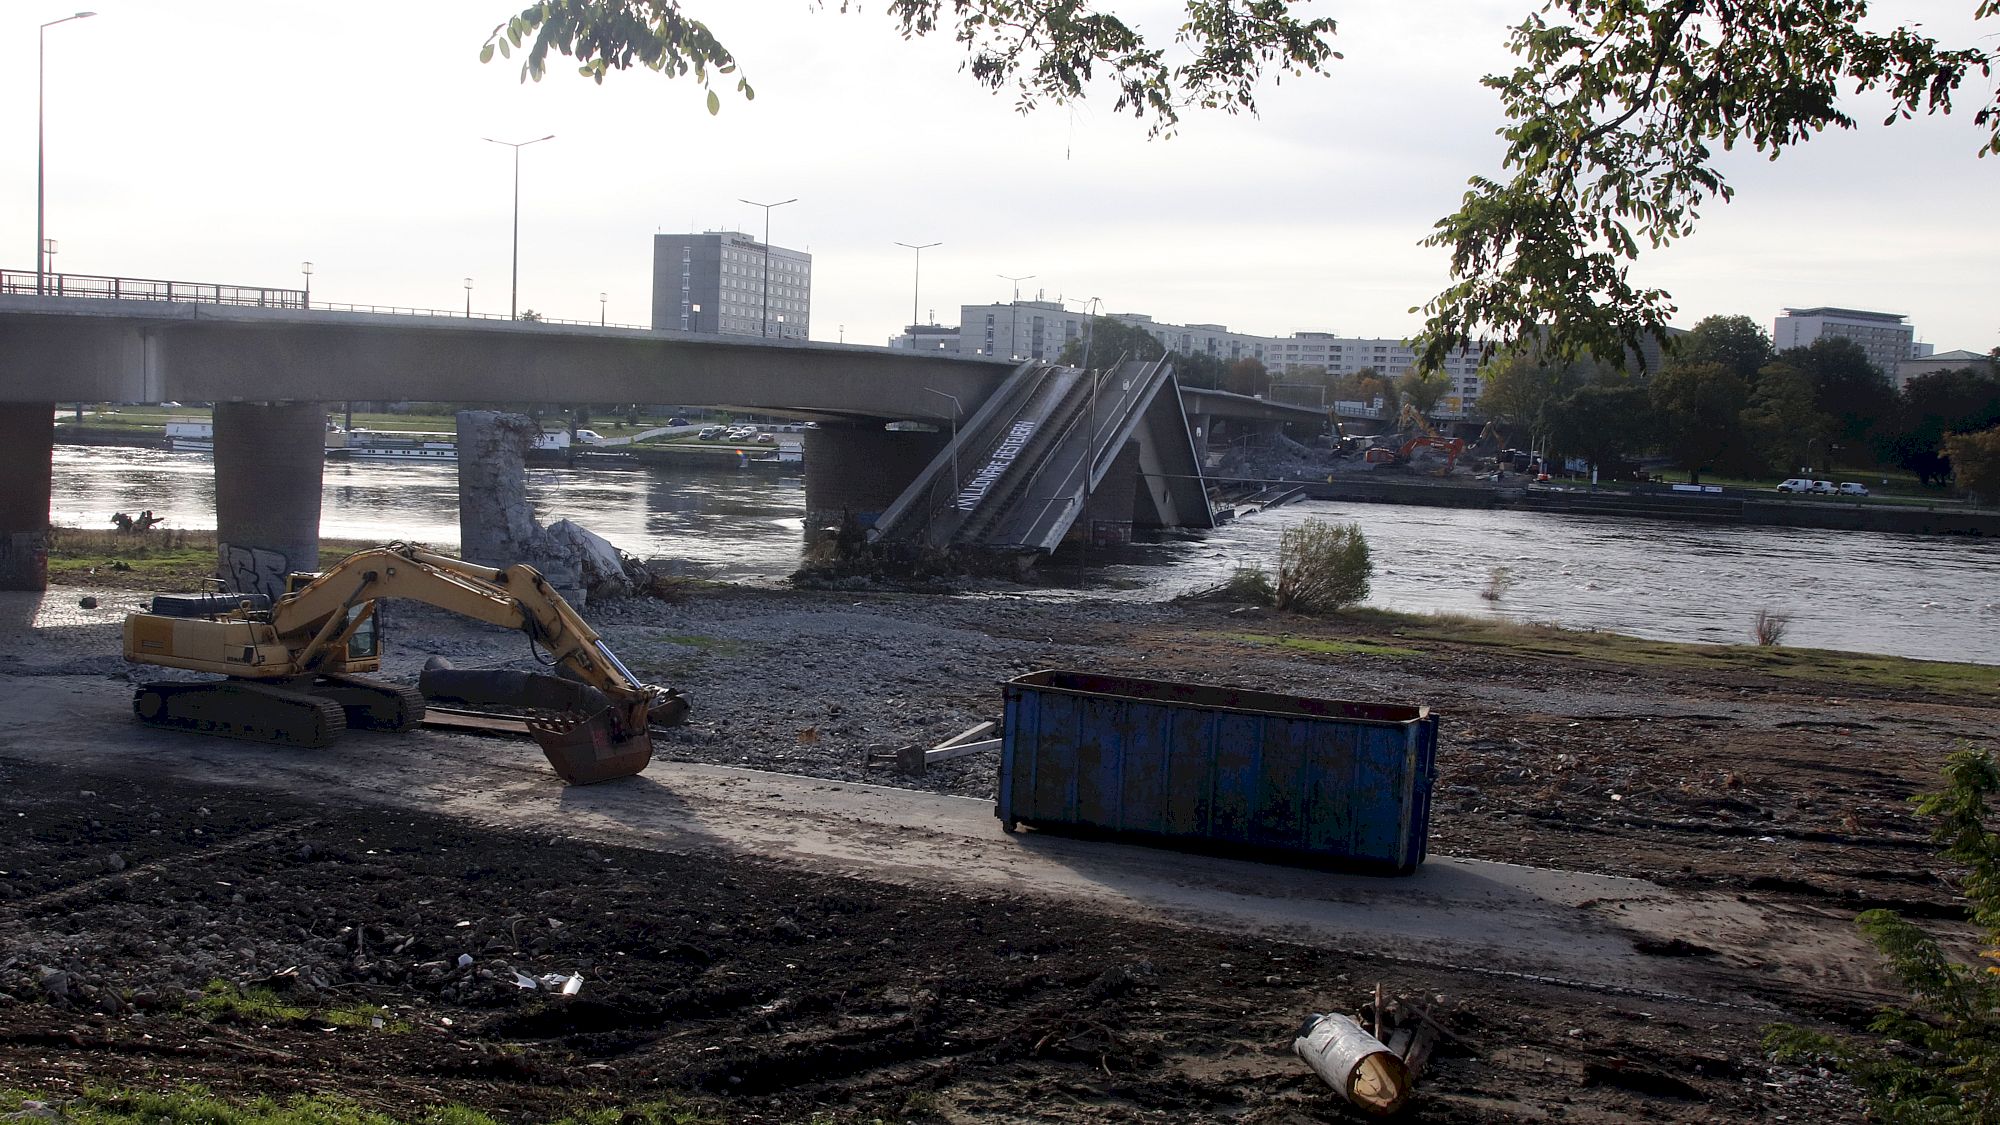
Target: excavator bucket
[587, 749]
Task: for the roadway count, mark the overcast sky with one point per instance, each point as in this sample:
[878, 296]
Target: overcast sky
[227, 142]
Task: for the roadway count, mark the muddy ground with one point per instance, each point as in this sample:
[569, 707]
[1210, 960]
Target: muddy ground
[759, 990]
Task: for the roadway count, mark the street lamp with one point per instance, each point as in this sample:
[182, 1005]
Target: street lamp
[1014, 333]
[694, 320]
[514, 300]
[306, 268]
[766, 330]
[49, 253]
[601, 299]
[916, 278]
[41, 208]
[955, 412]
[468, 298]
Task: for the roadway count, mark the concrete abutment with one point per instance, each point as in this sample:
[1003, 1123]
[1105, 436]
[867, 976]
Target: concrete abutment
[270, 459]
[27, 444]
[861, 469]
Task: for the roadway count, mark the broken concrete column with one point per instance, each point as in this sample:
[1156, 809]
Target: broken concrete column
[270, 458]
[859, 470]
[496, 525]
[27, 443]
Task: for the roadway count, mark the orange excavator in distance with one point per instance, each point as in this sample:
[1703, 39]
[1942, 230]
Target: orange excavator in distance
[292, 669]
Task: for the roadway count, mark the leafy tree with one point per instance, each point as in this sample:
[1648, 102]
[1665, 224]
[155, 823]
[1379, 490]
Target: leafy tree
[1735, 342]
[1201, 370]
[1783, 420]
[1043, 49]
[1975, 460]
[1602, 422]
[1322, 567]
[1423, 389]
[1938, 1058]
[1700, 410]
[1367, 385]
[1617, 112]
[1247, 377]
[1963, 401]
[1847, 388]
[1524, 385]
[1106, 339]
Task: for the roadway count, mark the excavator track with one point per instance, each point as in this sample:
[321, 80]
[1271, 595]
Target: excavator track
[372, 704]
[245, 709]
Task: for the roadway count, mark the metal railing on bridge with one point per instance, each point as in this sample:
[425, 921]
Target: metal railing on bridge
[149, 289]
[202, 292]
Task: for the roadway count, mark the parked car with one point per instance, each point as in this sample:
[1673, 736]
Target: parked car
[1803, 484]
[766, 439]
[1853, 488]
[590, 437]
[1823, 488]
[710, 433]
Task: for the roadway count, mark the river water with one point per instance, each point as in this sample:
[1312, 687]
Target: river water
[1922, 596]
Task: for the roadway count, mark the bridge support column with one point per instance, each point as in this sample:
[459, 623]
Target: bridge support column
[861, 469]
[496, 525]
[27, 442]
[270, 459]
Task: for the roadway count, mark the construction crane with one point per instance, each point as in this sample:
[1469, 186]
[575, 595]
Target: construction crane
[292, 668]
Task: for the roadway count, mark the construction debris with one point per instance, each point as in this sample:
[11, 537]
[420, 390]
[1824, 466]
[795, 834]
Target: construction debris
[914, 760]
[1377, 1072]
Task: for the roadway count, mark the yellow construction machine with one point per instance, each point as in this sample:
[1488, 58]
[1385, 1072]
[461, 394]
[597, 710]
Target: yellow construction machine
[292, 666]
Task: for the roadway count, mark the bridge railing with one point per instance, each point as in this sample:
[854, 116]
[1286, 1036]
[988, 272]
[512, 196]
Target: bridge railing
[202, 292]
[150, 289]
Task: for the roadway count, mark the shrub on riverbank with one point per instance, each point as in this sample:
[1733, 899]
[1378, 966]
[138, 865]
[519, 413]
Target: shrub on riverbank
[1322, 567]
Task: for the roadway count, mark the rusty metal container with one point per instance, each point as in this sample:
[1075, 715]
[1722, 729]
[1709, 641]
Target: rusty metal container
[1215, 767]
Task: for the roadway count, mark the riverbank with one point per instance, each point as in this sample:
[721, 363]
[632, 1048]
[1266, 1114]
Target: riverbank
[1728, 506]
[1761, 795]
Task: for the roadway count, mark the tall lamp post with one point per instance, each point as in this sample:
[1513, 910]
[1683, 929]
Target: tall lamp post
[916, 281]
[514, 300]
[306, 268]
[468, 298]
[41, 160]
[602, 299]
[1014, 333]
[766, 330]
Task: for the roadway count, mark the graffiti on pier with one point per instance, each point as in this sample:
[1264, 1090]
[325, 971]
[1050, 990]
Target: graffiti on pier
[1010, 448]
[254, 570]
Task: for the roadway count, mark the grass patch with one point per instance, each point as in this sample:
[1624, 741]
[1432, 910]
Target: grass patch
[223, 1001]
[164, 560]
[1831, 671]
[718, 646]
[196, 1105]
[1320, 646]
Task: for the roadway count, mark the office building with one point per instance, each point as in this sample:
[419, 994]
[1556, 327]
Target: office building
[728, 283]
[1883, 336]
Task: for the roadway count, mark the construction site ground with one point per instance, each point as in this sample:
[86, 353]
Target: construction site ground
[1637, 866]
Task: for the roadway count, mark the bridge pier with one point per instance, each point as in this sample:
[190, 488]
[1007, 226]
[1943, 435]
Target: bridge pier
[1113, 506]
[27, 444]
[861, 468]
[496, 524]
[270, 459]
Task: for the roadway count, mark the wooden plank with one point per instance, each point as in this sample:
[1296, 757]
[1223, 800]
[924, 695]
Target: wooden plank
[947, 753]
[966, 735]
[451, 719]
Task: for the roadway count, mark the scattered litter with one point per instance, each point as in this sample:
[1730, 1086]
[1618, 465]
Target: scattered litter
[1353, 1062]
[523, 980]
[462, 925]
[573, 985]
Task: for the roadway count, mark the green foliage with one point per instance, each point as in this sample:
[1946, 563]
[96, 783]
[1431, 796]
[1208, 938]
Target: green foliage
[223, 1001]
[1937, 1059]
[1322, 567]
[1847, 389]
[1423, 389]
[1735, 342]
[1201, 370]
[1700, 408]
[1975, 460]
[1105, 340]
[1247, 377]
[1524, 385]
[1783, 421]
[1616, 111]
[1043, 50]
[1601, 423]
[1930, 406]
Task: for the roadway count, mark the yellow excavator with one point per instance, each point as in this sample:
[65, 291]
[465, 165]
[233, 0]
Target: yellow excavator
[292, 667]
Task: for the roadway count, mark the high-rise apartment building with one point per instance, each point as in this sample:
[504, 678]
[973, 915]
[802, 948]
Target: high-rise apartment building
[728, 283]
[1884, 336]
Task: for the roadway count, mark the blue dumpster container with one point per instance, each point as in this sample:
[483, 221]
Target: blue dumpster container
[1192, 764]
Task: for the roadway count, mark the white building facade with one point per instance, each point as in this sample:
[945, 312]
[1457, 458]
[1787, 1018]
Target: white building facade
[1883, 336]
[729, 283]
